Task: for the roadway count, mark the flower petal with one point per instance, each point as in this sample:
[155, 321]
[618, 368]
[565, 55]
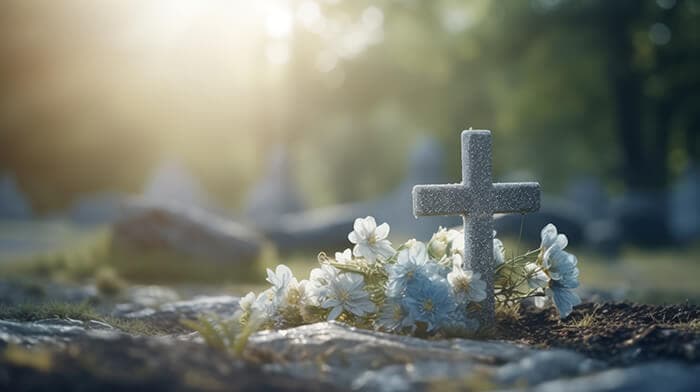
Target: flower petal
[335, 312]
[548, 235]
[360, 228]
[382, 231]
[564, 300]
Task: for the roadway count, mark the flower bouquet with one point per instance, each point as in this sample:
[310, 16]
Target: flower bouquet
[417, 288]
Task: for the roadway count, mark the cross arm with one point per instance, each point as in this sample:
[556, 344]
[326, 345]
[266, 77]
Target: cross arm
[449, 199]
[516, 197]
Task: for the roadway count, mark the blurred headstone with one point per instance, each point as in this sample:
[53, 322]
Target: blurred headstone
[684, 206]
[173, 183]
[13, 204]
[642, 217]
[588, 194]
[276, 193]
[187, 230]
[327, 228]
[97, 209]
[425, 166]
[560, 212]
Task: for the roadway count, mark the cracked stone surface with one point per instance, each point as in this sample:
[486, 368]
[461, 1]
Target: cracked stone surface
[168, 315]
[92, 355]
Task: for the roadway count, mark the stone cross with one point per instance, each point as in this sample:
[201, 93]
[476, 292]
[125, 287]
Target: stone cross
[477, 199]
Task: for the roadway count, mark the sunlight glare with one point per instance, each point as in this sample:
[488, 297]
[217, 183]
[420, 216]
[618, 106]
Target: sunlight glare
[279, 22]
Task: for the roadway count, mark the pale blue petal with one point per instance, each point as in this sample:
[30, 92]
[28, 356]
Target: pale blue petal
[548, 235]
[335, 312]
[564, 300]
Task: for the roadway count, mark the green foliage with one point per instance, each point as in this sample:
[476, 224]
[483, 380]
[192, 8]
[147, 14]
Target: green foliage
[74, 311]
[47, 310]
[230, 336]
[560, 81]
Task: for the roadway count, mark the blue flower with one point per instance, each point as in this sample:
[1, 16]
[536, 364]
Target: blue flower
[393, 316]
[459, 323]
[410, 263]
[564, 298]
[429, 300]
[346, 293]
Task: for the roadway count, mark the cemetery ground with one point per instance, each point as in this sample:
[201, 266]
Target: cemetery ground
[80, 319]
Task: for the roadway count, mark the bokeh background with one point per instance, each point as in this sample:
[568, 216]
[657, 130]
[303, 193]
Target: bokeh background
[597, 100]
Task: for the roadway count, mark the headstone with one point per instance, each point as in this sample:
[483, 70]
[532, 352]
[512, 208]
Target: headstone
[589, 196]
[684, 206]
[172, 183]
[642, 218]
[13, 204]
[565, 215]
[426, 166]
[276, 193]
[477, 199]
[327, 228]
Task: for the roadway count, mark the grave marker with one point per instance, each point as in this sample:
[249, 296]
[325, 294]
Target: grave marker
[476, 199]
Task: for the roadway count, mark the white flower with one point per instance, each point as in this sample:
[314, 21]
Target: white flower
[280, 280]
[466, 284]
[440, 243]
[344, 256]
[370, 240]
[536, 278]
[299, 294]
[346, 293]
[246, 303]
[540, 300]
[266, 305]
[319, 279]
[456, 239]
[499, 252]
[550, 238]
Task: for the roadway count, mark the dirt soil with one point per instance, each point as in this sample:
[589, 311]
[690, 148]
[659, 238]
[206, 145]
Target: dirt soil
[619, 333]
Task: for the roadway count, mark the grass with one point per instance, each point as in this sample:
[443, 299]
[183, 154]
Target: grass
[646, 275]
[41, 311]
[652, 276]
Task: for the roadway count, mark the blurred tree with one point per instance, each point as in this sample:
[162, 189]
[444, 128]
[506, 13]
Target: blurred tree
[606, 88]
[646, 54]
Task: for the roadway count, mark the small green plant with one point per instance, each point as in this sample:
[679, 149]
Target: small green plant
[230, 336]
[108, 282]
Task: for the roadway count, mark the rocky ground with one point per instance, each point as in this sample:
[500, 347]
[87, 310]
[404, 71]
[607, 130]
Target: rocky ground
[136, 341]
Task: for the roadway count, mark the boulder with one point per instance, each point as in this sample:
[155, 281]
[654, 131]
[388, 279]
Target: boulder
[186, 230]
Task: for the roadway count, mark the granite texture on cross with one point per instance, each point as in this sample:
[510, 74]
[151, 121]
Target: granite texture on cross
[476, 199]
